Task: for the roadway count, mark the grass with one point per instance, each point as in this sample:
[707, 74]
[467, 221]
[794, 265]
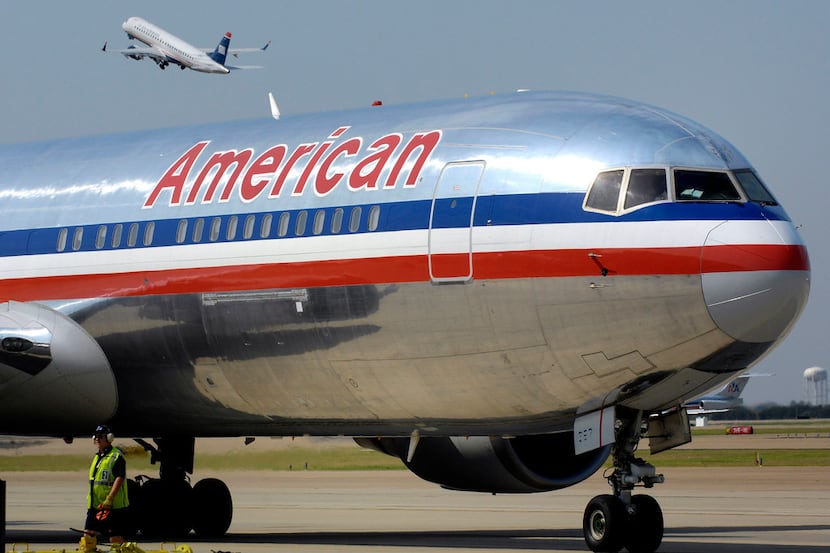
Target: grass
[739, 458]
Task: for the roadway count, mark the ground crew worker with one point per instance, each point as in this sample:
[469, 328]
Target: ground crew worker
[107, 499]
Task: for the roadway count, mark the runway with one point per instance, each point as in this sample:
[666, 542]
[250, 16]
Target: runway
[723, 510]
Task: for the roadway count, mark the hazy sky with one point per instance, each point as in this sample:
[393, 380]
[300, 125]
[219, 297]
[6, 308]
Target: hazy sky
[755, 71]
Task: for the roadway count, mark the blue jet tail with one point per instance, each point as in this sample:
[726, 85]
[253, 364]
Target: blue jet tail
[221, 52]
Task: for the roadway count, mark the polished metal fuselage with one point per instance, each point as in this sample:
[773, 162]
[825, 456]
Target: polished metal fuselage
[504, 345]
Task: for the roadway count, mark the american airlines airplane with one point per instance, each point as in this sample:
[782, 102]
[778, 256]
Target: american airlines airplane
[503, 292]
[165, 48]
[724, 399]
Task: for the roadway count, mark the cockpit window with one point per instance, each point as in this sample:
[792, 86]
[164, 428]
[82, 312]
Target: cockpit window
[605, 192]
[754, 188]
[645, 186]
[703, 186]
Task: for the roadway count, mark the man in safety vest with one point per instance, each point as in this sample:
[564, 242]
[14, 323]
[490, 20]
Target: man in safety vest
[107, 499]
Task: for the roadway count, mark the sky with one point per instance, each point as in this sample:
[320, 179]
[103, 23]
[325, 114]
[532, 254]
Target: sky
[755, 71]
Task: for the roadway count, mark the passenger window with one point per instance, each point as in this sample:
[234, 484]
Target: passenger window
[354, 219]
[233, 222]
[149, 230]
[198, 227]
[374, 217]
[282, 227]
[605, 192]
[703, 186]
[101, 237]
[214, 229]
[754, 188]
[116, 235]
[77, 238]
[265, 227]
[62, 234]
[299, 227]
[248, 229]
[645, 186]
[319, 221]
[132, 235]
[337, 220]
[181, 231]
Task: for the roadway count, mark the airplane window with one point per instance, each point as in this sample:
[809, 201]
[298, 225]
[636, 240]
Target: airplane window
[703, 186]
[198, 227]
[62, 239]
[754, 188]
[233, 222]
[149, 230]
[77, 238]
[215, 223]
[116, 235]
[337, 220]
[374, 217]
[181, 231]
[319, 221]
[299, 227]
[354, 219]
[282, 227]
[645, 186]
[132, 235]
[248, 229]
[265, 226]
[605, 192]
[101, 237]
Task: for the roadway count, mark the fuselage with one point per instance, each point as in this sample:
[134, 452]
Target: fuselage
[177, 50]
[478, 267]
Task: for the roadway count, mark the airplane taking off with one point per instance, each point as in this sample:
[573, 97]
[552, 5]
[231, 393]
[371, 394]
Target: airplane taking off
[165, 48]
[502, 292]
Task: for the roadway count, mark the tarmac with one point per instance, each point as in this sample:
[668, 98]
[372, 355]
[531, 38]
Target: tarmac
[720, 510]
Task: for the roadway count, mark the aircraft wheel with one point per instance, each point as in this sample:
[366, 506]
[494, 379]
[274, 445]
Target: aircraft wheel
[603, 524]
[167, 508]
[212, 508]
[645, 528]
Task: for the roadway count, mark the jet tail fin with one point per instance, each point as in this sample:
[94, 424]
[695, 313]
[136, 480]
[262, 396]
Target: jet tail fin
[221, 52]
[734, 389]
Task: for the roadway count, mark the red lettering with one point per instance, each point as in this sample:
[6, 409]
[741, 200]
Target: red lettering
[427, 142]
[300, 186]
[176, 176]
[325, 184]
[366, 174]
[302, 150]
[265, 165]
[222, 162]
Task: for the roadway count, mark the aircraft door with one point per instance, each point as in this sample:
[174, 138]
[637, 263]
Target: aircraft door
[451, 222]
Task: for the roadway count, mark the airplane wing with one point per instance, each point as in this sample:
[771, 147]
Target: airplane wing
[138, 52]
[236, 51]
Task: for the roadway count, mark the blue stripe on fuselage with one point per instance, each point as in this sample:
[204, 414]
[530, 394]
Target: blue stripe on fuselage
[519, 209]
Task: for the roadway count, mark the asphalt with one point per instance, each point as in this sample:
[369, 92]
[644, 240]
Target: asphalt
[720, 510]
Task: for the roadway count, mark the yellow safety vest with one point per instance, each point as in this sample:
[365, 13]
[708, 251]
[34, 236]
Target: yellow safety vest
[101, 480]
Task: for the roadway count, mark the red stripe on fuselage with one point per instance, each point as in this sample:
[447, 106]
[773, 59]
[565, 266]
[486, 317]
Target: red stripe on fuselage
[383, 270]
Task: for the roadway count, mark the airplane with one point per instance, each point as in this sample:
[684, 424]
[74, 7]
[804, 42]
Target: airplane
[503, 292]
[165, 48]
[726, 398]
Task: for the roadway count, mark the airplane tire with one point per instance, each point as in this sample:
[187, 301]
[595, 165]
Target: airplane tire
[603, 524]
[167, 508]
[212, 508]
[645, 527]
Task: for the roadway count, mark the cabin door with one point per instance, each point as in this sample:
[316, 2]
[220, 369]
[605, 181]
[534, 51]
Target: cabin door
[451, 222]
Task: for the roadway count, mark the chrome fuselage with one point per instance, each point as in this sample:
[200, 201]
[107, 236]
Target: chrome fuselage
[374, 272]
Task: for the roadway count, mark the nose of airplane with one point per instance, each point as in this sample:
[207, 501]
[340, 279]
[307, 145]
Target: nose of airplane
[756, 278]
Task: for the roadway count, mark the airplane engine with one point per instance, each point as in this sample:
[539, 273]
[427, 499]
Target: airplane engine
[524, 464]
[47, 359]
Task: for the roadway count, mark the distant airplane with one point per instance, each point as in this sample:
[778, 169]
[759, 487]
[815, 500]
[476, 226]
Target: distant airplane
[503, 292]
[165, 48]
[726, 398]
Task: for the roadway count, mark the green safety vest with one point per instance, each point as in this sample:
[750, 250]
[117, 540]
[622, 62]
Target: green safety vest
[101, 480]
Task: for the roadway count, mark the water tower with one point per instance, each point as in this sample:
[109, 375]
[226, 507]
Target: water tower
[815, 386]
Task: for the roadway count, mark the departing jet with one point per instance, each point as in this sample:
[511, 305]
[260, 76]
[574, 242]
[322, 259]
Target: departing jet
[165, 48]
[726, 398]
[502, 292]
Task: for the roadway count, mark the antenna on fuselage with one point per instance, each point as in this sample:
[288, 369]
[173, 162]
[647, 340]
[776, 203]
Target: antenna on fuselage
[275, 109]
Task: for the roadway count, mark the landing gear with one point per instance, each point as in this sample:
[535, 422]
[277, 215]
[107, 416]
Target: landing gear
[167, 506]
[635, 522]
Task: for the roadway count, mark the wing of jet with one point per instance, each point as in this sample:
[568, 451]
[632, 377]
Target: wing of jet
[502, 292]
[137, 53]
